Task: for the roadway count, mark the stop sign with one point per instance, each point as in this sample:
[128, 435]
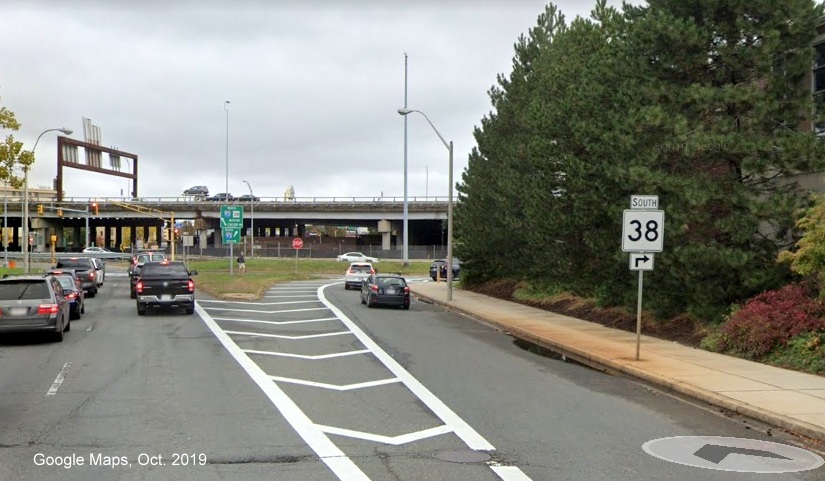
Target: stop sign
[297, 243]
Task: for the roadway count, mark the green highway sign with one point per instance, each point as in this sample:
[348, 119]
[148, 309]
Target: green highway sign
[231, 216]
[231, 235]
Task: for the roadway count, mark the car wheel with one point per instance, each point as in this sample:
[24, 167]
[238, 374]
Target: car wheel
[92, 293]
[68, 326]
[132, 294]
[370, 302]
[190, 309]
[346, 287]
[406, 307]
[83, 308]
[58, 335]
[74, 314]
[141, 311]
[362, 300]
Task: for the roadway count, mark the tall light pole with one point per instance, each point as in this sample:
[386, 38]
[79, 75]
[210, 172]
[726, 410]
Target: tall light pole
[226, 190]
[251, 221]
[26, 199]
[449, 146]
[405, 248]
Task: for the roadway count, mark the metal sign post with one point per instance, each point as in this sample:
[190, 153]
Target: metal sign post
[643, 232]
[297, 243]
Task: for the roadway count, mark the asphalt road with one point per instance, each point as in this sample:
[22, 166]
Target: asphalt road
[308, 384]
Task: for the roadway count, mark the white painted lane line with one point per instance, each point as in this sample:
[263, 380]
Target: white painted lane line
[336, 387]
[256, 321]
[282, 336]
[313, 295]
[394, 440]
[58, 381]
[473, 439]
[510, 473]
[342, 466]
[302, 356]
[258, 303]
[275, 311]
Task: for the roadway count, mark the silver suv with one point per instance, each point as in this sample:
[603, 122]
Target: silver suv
[200, 190]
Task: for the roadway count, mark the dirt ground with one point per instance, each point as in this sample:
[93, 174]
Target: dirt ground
[681, 329]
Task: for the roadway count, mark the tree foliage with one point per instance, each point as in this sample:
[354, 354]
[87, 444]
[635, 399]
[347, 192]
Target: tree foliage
[12, 156]
[606, 107]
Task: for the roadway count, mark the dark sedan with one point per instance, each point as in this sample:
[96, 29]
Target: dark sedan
[438, 269]
[248, 198]
[34, 304]
[385, 289]
[74, 292]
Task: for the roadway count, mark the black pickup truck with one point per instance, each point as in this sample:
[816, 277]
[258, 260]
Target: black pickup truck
[86, 272]
[165, 284]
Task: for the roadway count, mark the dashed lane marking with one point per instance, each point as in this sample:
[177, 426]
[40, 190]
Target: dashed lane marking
[58, 381]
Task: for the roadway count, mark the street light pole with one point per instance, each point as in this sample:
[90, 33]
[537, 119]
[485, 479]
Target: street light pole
[226, 190]
[405, 252]
[26, 198]
[449, 146]
[251, 221]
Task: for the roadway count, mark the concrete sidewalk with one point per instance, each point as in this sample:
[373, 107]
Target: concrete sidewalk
[787, 399]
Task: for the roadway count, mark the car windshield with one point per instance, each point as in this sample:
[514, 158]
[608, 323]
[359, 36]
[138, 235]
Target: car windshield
[360, 269]
[390, 281]
[158, 269]
[81, 263]
[24, 289]
[66, 281]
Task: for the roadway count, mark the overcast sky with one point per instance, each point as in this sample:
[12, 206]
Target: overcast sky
[314, 87]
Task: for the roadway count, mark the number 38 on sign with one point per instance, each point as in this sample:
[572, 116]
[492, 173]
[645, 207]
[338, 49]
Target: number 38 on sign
[643, 230]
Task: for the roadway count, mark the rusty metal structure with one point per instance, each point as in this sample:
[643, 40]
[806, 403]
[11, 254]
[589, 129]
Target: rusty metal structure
[67, 157]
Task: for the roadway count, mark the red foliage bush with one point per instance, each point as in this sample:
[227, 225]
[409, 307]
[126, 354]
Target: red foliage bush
[771, 319]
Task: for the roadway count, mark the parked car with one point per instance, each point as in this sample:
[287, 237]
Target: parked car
[86, 272]
[102, 253]
[441, 265]
[223, 196]
[34, 303]
[201, 190]
[248, 198]
[100, 270]
[357, 273]
[166, 284]
[356, 257]
[74, 293]
[140, 260]
[385, 289]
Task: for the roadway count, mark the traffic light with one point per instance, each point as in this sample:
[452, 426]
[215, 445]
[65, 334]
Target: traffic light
[40, 209]
[94, 208]
[60, 212]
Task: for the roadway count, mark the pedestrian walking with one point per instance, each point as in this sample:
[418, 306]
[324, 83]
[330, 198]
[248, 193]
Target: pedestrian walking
[241, 263]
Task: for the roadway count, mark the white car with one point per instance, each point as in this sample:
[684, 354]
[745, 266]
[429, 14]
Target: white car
[100, 270]
[356, 274]
[355, 257]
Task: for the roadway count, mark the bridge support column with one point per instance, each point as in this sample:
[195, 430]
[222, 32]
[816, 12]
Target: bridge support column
[385, 229]
[118, 238]
[76, 238]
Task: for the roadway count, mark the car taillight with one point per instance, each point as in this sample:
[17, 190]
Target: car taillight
[71, 295]
[139, 287]
[48, 309]
[91, 275]
[374, 288]
[191, 286]
[406, 289]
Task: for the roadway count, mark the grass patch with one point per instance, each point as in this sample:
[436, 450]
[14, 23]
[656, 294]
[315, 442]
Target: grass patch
[214, 278]
[805, 352]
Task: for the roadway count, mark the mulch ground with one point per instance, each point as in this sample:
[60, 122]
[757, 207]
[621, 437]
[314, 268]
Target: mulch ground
[682, 329]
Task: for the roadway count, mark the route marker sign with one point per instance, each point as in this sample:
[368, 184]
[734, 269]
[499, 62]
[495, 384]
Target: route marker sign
[231, 216]
[231, 235]
[297, 243]
[641, 262]
[643, 230]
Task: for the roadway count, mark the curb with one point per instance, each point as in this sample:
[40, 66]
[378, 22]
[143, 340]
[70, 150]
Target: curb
[611, 367]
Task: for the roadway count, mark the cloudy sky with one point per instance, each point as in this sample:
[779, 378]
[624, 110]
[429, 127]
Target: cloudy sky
[314, 87]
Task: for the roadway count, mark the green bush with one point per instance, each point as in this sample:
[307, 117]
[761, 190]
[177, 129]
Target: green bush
[805, 352]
